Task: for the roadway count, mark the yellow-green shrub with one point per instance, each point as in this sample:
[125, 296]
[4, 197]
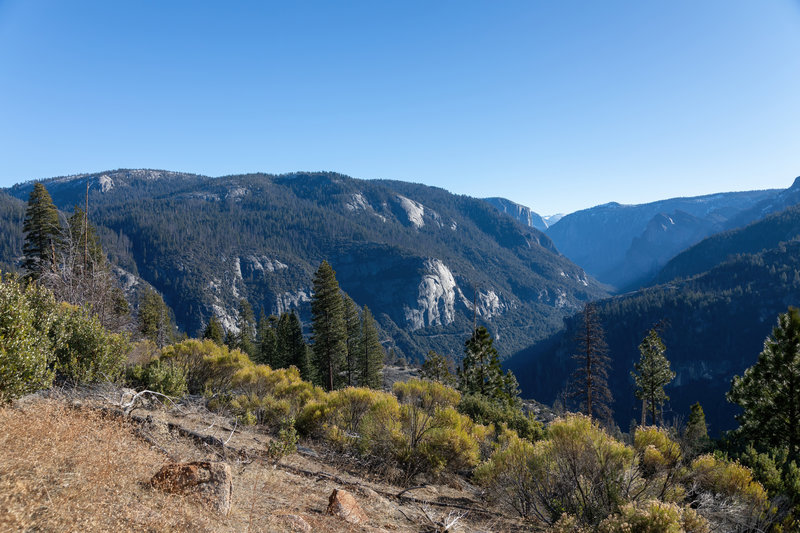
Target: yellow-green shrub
[654, 516]
[508, 475]
[207, 365]
[270, 396]
[158, 376]
[659, 462]
[354, 417]
[577, 469]
[484, 411]
[727, 478]
[435, 435]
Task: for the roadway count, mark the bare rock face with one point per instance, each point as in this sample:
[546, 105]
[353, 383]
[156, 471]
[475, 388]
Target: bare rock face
[210, 481]
[342, 504]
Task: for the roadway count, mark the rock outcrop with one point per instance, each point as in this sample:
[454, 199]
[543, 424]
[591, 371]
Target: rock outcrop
[209, 481]
[342, 504]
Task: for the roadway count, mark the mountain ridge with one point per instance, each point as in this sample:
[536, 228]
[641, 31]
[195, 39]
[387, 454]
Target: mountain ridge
[418, 256]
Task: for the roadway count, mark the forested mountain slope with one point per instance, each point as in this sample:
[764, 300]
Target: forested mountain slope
[716, 323]
[12, 216]
[418, 256]
[623, 245]
[767, 233]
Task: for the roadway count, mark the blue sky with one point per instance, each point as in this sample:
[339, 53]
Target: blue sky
[558, 105]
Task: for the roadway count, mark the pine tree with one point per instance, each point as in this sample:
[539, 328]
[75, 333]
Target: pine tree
[371, 353]
[290, 336]
[247, 328]
[696, 434]
[329, 331]
[352, 323]
[214, 331]
[589, 381]
[42, 231]
[480, 371]
[437, 368]
[155, 321]
[653, 375]
[267, 340]
[769, 391]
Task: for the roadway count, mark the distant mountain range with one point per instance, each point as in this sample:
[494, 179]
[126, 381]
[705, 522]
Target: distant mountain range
[719, 300]
[626, 245]
[718, 269]
[425, 261]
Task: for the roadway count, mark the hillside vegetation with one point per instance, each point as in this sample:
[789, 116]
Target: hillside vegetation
[419, 257]
[714, 323]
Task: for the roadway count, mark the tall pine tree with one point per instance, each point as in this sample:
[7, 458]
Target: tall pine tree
[371, 353]
[769, 391]
[652, 374]
[267, 352]
[290, 336]
[352, 323]
[247, 329]
[481, 374]
[329, 331]
[155, 320]
[214, 331]
[589, 381]
[42, 231]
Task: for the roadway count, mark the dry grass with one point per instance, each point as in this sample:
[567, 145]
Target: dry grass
[66, 469]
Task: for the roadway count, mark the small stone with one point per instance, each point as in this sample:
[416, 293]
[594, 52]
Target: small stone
[210, 481]
[295, 522]
[342, 504]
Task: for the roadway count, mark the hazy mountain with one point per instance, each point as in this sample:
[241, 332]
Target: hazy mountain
[519, 212]
[764, 234]
[625, 244]
[716, 323]
[418, 256]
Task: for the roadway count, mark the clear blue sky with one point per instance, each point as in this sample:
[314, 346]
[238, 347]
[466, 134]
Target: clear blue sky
[555, 104]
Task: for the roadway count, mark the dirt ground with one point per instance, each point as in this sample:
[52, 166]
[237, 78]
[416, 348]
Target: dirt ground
[70, 463]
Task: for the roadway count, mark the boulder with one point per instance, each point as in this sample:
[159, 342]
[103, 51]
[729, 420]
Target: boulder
[342, 504]
[209, 481]
[294, 522]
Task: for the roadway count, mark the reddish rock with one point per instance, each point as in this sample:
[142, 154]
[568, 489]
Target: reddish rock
[210, 481]
[344, 505]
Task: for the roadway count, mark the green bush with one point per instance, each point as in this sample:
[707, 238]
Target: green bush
[484, 411]
[85, 352]
[26, 316]
[160, 377]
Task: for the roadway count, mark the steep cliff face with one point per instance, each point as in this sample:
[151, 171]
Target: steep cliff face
[426, 262]
[519, 212]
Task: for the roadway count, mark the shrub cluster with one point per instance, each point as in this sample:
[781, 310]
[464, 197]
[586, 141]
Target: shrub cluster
[40, 339]
[579, 478]
[26, 355]
[417, 427]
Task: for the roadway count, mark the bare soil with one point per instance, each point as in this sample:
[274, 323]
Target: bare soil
[73, 462]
